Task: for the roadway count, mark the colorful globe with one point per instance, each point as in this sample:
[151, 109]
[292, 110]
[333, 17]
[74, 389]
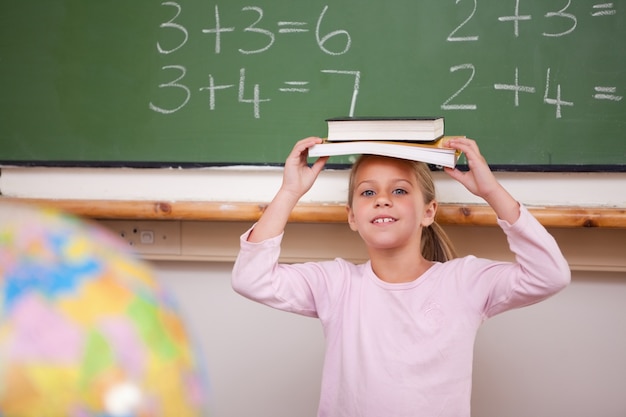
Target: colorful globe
[85, 330]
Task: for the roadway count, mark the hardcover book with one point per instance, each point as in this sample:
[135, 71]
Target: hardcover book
[385, 128]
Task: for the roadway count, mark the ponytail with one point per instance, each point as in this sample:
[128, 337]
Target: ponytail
[436, 245]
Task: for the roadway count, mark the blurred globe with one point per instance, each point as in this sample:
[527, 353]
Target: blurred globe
[85, 330]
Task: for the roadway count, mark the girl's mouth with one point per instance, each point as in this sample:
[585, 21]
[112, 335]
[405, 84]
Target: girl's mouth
[379, 220]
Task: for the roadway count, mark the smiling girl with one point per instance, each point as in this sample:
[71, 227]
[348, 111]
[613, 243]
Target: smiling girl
[400, 328]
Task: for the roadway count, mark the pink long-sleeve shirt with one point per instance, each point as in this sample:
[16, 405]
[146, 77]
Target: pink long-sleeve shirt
[395, 350]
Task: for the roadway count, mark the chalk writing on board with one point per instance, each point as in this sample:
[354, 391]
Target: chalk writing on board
[171, 24]
[355, 90]
[557, 101]
[453, 36]
[563, 14]
[447, 105]
[254, 97]
[255, 100]
[269, 33]
[515, 87]
[606, 93]
[601, 92]
[516, 18]
[603, 9]
[284, 27]
[553, 94]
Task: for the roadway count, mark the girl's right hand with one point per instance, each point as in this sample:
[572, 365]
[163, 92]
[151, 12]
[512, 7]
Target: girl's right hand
[298, 176]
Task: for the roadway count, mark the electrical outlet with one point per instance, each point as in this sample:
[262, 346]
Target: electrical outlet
[148, 237]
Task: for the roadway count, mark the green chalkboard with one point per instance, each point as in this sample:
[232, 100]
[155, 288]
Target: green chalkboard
[539, 84]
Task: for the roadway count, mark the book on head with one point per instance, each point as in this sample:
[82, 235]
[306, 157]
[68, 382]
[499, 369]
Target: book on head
[385, 128]
[435, 152]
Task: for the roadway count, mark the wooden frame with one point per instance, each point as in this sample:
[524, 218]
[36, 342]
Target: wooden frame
[456, 214]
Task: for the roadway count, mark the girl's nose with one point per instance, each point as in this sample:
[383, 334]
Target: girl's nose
[383, 201]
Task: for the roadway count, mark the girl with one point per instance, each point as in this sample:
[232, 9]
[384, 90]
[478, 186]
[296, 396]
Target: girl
[400, 328]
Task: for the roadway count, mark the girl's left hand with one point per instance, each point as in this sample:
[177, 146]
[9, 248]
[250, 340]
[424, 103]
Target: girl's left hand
[479, 179]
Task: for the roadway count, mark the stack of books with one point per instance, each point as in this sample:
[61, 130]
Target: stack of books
[415, 138]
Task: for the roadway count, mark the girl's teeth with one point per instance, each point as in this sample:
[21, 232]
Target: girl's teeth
[385, 220]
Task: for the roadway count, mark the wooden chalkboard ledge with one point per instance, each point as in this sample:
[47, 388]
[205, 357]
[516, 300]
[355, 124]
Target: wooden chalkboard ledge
[450, 214]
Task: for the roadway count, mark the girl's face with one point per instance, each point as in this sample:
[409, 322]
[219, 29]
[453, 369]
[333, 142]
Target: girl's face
[388, 208]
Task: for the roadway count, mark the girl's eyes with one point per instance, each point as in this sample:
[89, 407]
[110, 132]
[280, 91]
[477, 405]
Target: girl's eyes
[371, 193]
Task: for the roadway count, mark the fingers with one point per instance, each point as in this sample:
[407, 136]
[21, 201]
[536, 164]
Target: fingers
[468, 146]
[299, 153]
[479, 175]
[297, 170]
[319, 164]
[454, 173]
[304, 144]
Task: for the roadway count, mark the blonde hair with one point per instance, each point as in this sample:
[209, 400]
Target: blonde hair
[435, 243]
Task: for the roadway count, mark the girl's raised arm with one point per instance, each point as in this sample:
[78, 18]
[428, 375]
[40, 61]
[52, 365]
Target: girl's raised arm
[479, 180]
[298, 178]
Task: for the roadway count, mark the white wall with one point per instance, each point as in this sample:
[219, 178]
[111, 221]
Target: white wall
[565, 357]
